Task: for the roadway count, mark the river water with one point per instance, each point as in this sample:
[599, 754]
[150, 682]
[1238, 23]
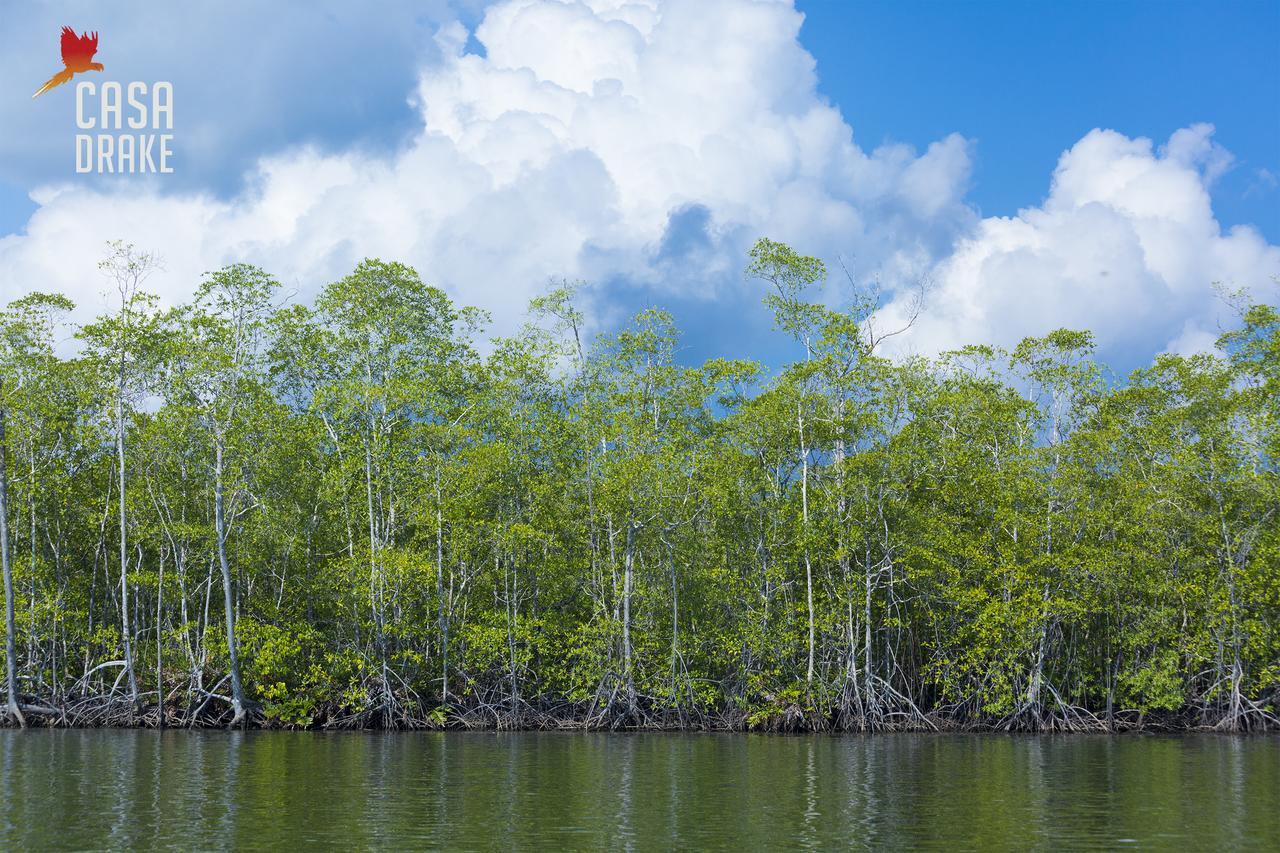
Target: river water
[105, 789]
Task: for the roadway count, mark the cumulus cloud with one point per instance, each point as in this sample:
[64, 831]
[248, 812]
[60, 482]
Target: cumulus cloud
[1126, 245]
[578, 144]
[302, 77]
[644, 144]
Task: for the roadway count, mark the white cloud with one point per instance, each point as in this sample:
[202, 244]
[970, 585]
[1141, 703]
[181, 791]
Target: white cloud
[1126, 245]
[653, 140]
[1263, 182]
[570, 148]
[304, 74]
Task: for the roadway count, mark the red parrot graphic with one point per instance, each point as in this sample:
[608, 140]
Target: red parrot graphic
[77, 50]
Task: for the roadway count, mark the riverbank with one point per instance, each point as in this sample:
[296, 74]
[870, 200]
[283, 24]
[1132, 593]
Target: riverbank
[383, 523]
[118, 713]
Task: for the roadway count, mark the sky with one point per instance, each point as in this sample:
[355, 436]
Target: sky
[1095, 165]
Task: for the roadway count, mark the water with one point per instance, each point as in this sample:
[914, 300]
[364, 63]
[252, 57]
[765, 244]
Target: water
[107, 789]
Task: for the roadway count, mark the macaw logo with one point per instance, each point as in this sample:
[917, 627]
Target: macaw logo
[116, 111]
[77, 56]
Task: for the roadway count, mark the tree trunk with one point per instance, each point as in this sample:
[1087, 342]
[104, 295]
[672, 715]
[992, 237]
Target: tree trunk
[220, 534]
[126, 629]
[160, 642]
[10, 646]
[442, 612]
[808, 567]
[627, 564]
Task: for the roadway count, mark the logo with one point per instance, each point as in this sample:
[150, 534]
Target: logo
[117, 112]
[77, 53]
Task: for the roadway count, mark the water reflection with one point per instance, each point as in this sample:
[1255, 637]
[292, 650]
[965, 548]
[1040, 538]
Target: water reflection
[259, 790]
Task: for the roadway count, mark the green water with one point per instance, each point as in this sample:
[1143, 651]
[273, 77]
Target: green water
[264, 790]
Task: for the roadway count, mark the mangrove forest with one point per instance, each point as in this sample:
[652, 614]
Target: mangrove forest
[367, 511]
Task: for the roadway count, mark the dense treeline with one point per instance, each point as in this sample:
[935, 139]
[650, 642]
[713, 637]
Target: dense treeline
[347, 515]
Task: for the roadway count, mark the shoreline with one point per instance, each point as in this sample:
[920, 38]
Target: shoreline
[346, 515]
[116, 715]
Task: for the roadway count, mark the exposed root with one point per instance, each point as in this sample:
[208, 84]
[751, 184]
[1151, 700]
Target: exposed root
[879, 707]
[1248, 716]
[614, 707]
[1061, 717]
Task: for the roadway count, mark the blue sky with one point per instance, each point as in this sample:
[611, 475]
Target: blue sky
[1025, 79]
[1038, 164]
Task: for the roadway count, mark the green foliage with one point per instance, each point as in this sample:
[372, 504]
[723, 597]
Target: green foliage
[416, 534]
